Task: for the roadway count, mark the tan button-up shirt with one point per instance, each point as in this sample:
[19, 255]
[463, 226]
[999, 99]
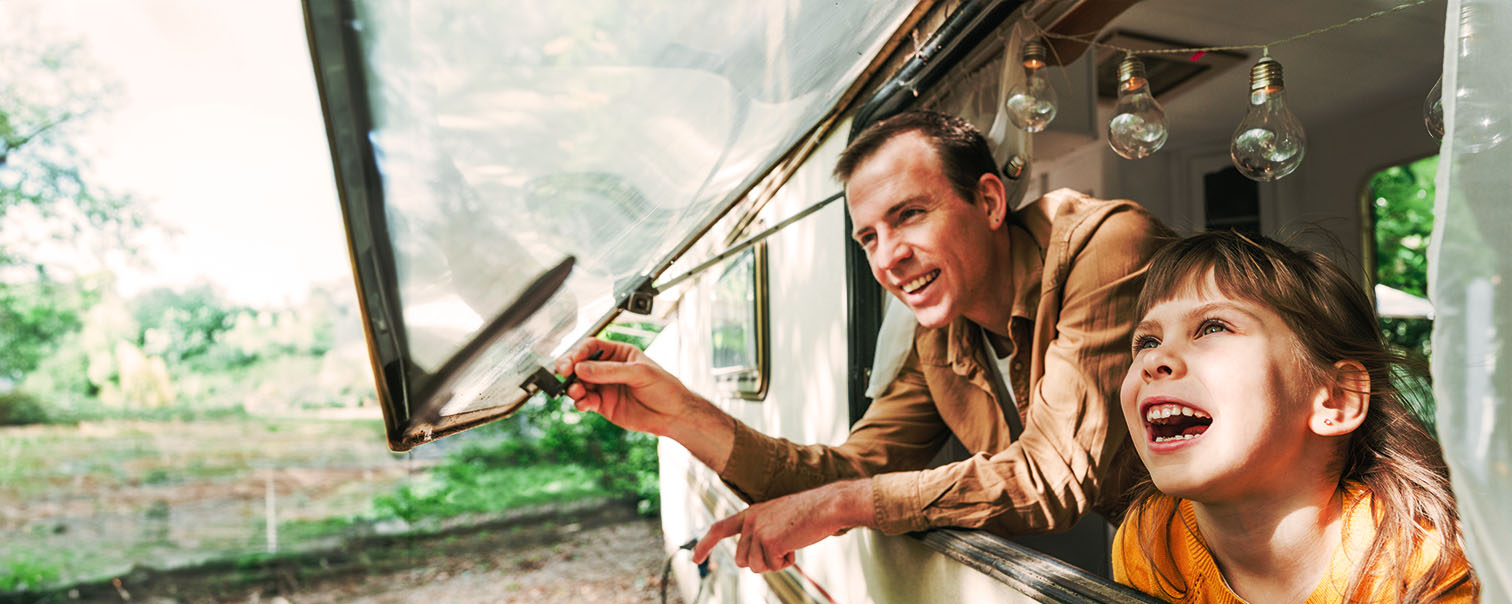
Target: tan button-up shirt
[1070, 327]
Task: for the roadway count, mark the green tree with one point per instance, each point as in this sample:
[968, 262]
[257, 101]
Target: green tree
[49, 92]
[35, 316]
[1402, 203]
[58, 223]
[178, 326]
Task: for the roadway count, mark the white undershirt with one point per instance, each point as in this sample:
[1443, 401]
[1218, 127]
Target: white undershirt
[1001, 369]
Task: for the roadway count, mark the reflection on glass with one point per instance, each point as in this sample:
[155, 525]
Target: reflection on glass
[739, 325]
[508, 136]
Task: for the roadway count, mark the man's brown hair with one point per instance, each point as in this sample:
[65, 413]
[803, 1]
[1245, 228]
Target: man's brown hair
[962, 149]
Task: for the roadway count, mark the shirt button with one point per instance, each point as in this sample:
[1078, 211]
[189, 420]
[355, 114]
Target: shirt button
[1018, 366]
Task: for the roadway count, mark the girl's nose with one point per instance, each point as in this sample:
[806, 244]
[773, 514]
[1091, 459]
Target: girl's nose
[1162, 363]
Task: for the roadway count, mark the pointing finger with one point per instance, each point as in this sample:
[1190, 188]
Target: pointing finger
[720, 530]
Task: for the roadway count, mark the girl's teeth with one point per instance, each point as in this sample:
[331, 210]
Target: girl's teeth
[1162, 411]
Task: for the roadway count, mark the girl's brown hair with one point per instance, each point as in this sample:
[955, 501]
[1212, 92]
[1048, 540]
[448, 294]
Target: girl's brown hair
[1391, 453]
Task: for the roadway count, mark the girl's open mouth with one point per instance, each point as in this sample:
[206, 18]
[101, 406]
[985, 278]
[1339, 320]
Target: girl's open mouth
[1174, 422]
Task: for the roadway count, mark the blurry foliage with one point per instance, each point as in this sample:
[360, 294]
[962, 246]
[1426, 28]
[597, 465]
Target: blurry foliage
[35, 316]
[572, 453]
[22, 573]
[49, 89]
[189, 353]
[453, 489]
[1401, 198]
[20, 408]
[175, 326]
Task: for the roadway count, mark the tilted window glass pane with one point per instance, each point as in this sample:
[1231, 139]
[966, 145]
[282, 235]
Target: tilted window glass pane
[511, 135]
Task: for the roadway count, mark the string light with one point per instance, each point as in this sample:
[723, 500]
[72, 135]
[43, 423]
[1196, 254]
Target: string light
[1031, 103]
[1433, 110]
[1264, 157]
[1269, 142]
[1138, 125]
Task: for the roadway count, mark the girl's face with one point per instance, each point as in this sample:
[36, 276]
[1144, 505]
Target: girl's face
[1216, 399]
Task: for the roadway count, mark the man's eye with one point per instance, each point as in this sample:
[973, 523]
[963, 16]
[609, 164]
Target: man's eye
[1145, 343]
[909, 213]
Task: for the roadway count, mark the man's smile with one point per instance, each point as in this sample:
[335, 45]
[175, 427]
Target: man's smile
[920, 282]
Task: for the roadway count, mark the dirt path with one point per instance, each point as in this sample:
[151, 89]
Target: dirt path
[612, 556]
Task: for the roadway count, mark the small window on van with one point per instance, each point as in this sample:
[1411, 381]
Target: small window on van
[739, 324]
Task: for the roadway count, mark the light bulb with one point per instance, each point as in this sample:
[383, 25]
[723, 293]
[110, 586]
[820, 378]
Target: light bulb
[1269, 142]
[1031, 102]
[1433, 110]
[1138, 125]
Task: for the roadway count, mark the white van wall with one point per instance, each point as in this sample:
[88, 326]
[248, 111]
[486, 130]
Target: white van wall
[806, 396]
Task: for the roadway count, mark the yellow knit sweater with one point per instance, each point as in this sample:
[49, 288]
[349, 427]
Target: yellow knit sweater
[1188, 574]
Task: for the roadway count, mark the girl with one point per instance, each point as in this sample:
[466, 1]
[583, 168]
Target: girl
[1288, 467]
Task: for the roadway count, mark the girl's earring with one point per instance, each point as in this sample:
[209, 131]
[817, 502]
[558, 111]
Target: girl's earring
[1327, 422]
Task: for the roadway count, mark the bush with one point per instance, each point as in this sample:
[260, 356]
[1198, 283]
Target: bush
[20, 408]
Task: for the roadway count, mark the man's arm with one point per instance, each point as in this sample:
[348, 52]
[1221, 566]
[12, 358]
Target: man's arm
[902, 430]
[633, 392]
[772, 530]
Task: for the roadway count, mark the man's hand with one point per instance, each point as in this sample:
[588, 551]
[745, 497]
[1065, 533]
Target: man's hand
[771, 531]
[633, 392]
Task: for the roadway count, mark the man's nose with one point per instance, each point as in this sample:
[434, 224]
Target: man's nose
[890, 252]
[1162, 363]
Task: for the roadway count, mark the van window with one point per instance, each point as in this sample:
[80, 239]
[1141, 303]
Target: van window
[480, 144]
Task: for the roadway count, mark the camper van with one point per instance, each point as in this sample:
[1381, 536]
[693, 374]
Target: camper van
[516, 177]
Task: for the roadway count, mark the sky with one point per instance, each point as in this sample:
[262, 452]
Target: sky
[219, 128]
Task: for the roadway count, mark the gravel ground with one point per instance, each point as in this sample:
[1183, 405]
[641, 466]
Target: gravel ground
[610, 557]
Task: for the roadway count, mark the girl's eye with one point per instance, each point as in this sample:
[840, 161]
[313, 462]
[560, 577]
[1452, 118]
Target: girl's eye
[1211, 327]
[1145, 343]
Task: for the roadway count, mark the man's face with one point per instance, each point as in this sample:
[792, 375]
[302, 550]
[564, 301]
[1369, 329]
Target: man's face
[927, 246]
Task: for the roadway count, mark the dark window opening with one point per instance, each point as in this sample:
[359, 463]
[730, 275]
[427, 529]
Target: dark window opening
[1230, 202]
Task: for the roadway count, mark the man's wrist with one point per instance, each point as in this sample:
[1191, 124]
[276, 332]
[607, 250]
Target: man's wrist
[706, 431]
[852, 503]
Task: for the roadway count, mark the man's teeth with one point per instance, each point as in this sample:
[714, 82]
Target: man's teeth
[916, 284]
[1164, 410]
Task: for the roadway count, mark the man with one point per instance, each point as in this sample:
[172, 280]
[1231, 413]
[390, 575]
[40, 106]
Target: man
[1041, 296]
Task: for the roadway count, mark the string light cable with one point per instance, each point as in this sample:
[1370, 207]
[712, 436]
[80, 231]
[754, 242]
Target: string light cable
[1088, 38]
[1268, 144]
[703, 571]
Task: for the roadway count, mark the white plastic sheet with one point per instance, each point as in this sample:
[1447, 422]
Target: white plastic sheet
[1470, 264]
[509, 135]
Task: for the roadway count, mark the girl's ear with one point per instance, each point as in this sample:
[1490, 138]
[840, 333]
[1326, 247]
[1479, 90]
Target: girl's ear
[1342, 408]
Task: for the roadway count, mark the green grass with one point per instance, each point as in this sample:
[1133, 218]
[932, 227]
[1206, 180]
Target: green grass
[30, 571]
[38, 460]
[334, 478]
[456, 489]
